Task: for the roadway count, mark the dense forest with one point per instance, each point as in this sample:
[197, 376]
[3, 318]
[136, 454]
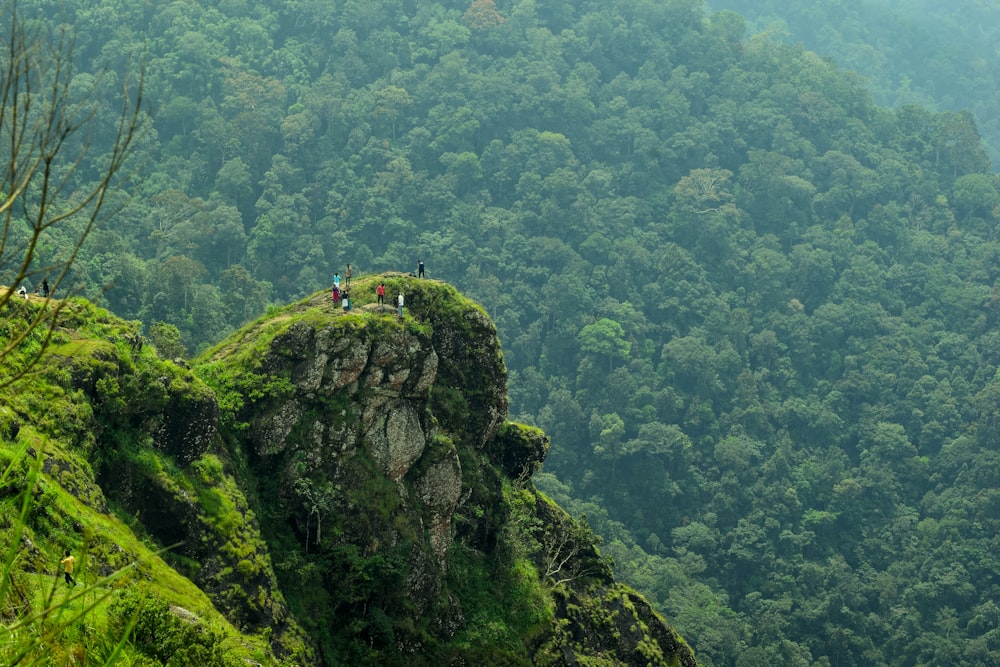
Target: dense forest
[939, 55]
[755, 310]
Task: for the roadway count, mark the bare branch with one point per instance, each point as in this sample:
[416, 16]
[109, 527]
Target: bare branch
[40, 118]
[562, 555]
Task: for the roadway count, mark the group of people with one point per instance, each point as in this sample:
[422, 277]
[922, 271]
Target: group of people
[42, 289]
[343, 296]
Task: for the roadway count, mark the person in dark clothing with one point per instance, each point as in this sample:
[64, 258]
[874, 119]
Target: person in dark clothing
[45, 288]
[420, 268]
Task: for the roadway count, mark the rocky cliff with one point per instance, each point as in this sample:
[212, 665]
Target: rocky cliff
[346, 485]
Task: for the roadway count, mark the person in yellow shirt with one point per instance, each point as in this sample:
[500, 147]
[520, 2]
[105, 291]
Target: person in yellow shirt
[68, 562]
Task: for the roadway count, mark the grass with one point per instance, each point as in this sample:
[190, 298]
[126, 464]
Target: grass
[48, 423]
[47, 622]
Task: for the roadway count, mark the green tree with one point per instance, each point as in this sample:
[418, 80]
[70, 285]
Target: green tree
[605, 338]
[390, 102]
[166, 338]
[234, 181]
[975, 194]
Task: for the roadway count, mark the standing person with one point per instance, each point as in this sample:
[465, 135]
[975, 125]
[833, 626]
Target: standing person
[399, 302]
[346, 300]
[45, 288]
[68, 562]
[347, 277]
[335, 291]
[380, 291]
[420, 268]
[336, 280]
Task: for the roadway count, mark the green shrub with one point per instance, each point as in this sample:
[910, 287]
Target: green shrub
[164, 637]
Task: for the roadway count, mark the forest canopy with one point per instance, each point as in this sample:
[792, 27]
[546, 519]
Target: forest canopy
[939, 55]
[755, 311]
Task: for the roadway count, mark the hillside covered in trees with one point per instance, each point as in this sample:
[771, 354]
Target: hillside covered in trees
[756, 312]
[939, 55]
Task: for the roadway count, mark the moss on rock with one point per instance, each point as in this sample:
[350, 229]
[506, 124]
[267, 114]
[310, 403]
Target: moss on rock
[342, 486]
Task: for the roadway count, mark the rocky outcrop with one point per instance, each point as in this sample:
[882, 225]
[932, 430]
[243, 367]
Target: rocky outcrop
[388, 399]
[519, 450]
[384, 445]
[352, 478]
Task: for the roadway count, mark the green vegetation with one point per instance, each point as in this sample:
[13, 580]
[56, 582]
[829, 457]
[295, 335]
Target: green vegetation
[51, 501]
[755, 313]
[936, 55]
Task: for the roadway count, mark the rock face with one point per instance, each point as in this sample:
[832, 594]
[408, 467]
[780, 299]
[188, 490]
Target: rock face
[387, 457]
[360, 394]
[352, 478]
[375, 401]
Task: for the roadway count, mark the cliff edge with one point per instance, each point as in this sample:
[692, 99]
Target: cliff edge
[346, 486]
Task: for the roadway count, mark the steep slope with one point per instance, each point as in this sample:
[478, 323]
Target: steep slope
[342, 488]
[398, 502]
[91, 442]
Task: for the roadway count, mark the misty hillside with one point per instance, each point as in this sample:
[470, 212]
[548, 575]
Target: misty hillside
[754, 310]
[938, 55]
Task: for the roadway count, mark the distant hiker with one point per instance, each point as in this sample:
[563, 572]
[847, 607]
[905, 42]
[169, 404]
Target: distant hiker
[45, 288]
[380, 291]
[420, 268]
[335, 291]
[68, 562]
[347, 277]
[346, 300]
[23, 292]
[336, 280]
[399, 302]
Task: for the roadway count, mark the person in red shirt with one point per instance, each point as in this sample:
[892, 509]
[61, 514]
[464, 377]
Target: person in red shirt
[380, 290]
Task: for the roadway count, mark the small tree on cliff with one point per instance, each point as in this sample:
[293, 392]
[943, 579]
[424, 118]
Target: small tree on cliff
[53, 190]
